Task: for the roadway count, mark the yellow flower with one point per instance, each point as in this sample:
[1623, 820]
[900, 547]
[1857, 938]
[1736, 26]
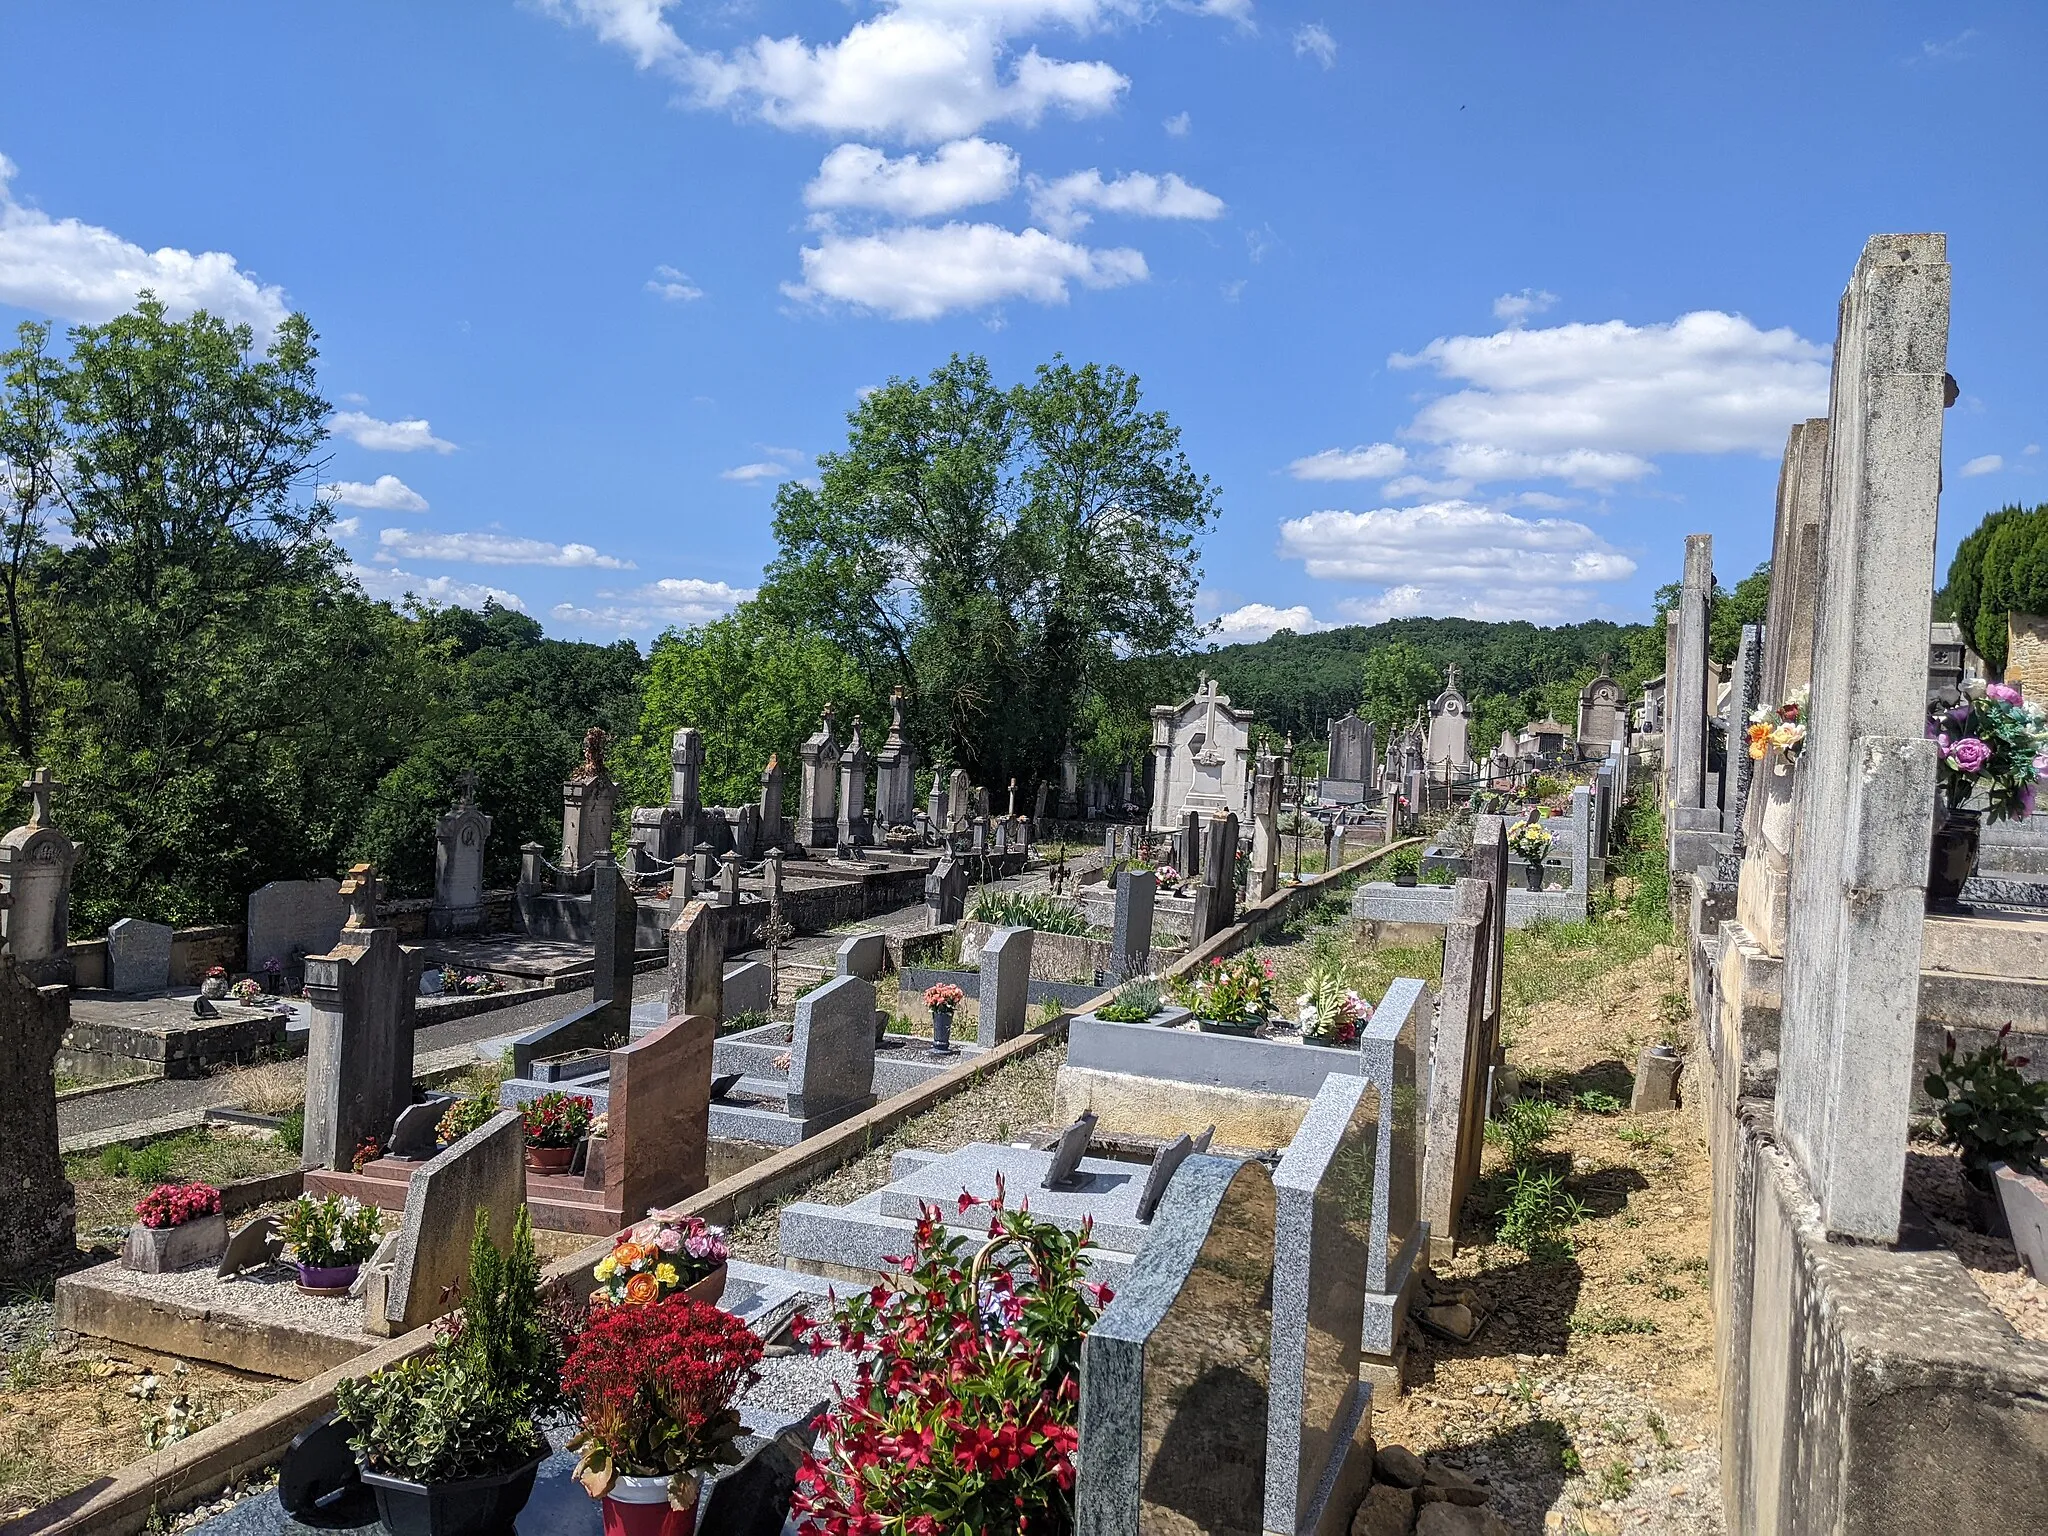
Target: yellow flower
[665, 1273]
[605, 1269]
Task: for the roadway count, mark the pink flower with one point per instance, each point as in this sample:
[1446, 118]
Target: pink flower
[669, 1240]
[2005, 693]
[1968, 755]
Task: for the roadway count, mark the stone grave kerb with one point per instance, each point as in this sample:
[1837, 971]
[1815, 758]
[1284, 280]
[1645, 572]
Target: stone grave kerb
[485, 1170]
[1174, 1373]
[1323, 1208]
[658, 1115]
[1002, 1000]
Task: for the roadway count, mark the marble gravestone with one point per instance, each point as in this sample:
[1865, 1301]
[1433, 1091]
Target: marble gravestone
[1002, 1002]
[1174, 1374]
[138, 956]
[1201, 757]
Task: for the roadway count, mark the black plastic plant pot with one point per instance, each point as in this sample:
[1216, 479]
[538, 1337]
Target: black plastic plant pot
[474, 1506]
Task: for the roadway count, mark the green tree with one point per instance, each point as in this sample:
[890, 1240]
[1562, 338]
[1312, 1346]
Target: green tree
[1397, 678]
[2000, 568]
[1733, 607]
[996, 551]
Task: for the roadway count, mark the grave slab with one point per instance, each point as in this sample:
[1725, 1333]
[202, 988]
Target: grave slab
[138, 956]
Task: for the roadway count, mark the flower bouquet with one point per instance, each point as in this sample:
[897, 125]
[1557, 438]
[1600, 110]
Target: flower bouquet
[172, 1205]
[1331, 1012]
[655, 1388]
[465, 1115]
[660, 1256]
[1995, 745]
[942, 998]
[1234, 996]
[248, 992]
[1530, 841]
[328, 1239]
[1779, 728]
[555, 1122]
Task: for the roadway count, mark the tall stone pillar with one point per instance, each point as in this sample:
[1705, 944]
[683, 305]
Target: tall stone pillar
[771, 803]
[359, 1053]
[1266, 829]
[40, 1227]
[895, 773]
[854, 830]
[1685, 687]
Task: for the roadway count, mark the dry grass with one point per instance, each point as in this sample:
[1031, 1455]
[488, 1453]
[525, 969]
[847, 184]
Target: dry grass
[108, 1190]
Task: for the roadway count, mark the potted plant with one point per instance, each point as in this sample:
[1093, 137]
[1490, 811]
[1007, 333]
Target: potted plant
[965, 1395]
[1330, 1011]
[328, 1238]
[660, 1256]
[450, 1440]
[1531, 841]
[942, 998]
[555, 1122]
[273, 975]
[1992, 1114]
[1993, 744]
[215, 983]
[176, 1225]
[1234, 996]
[465, 1115]
[248, 992]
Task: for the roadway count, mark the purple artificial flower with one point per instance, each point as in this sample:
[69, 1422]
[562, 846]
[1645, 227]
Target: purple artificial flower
[1969, 755]
[2005, 693]
[668, 1240]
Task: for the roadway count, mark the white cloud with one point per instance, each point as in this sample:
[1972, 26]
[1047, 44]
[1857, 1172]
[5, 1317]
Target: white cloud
[920, 70]
[753, 472]
[674, 285]
[2031, 449]
[392, 585]
[1314, 41]
[1375, 461]
[956, 175]
[1062, 205]
[1407, 487]
[672, 600]
[386, 436]
[1257, 621]
[1984, 464]
[79, 271]
[1178, 125]
[345, 527]
[1239, 11]
[1515, 308]
[387, 493]
[487, 548]
[1457, 558]
[1591, 403]
[1937, 50]
[920, 273]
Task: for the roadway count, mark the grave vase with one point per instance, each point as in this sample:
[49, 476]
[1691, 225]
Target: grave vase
[1953, 857]
[942, 1030]
[550, 1159]
[1532, 876]
[639, 1506]
[318, 1281]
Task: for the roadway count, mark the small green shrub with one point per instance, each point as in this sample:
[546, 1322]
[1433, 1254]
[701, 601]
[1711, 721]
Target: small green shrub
[1596, 1101]
[1438, 875]
[114, 1161]
[1616, 1479]
[1987, 1108]
[746, 1018]
[1526, 1125]
[291, 1131]
[1539, 1208]
[1134, 1002]
[1601, 1323]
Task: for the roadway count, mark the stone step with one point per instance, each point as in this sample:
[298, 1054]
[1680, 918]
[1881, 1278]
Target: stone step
[2003, 944]
[2023, 861]
[860, 1239]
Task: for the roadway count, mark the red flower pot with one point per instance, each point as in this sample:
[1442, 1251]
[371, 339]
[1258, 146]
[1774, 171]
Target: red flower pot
[638, 1506]
[550, 1159]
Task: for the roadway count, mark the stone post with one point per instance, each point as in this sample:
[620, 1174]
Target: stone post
[1865, 789]
[771, 803]
[1686, 705]
[1265, 830]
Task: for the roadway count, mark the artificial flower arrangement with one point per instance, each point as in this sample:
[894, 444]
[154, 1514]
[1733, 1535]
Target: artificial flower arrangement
[480, 983]
[1780, 728]
[557, 1119]
[1530, 840]
[248, 992]
[1234, 994]
[1994, 743]
[215, 983]
[658, 1257]
[1330, 1011]
[172, 1205]
[943, 995]
[962, 1415]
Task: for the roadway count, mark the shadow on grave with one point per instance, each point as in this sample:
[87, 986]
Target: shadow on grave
[1528, 1457]
[1616, 1079]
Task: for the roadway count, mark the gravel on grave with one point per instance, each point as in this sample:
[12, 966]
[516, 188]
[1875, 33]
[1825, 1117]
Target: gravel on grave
[795, 1383]
[268, 1295]
[1934, 1182]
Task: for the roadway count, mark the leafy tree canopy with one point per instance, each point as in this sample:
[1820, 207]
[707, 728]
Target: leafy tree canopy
[2000, 568]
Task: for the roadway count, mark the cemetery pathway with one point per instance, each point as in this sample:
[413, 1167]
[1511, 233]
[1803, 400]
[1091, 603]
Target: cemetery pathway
[163, 1098]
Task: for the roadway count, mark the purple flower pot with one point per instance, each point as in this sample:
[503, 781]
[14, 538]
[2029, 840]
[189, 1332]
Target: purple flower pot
[328, 1282]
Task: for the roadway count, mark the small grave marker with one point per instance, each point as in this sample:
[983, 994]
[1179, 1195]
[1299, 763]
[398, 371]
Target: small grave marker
[1067, 1155]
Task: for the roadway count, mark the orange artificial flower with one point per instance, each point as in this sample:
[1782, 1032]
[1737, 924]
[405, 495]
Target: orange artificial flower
[642, 1289]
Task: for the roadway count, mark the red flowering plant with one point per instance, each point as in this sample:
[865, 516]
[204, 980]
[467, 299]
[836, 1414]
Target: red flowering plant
[557, 1119]
[172, 1205]
[961, 1416]
[655, 1388]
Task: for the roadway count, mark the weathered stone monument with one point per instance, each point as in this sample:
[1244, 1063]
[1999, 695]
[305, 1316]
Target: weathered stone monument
[588, 800]
[1461, 1060]
[484, 1171]
[945, 892]
[771, 803]
[359, 1053]
[1216, 901]
[1600, 717]
[1450, 724]
[36, 861]
[290, 919]
[1002, 1002]
[817, 807]
[39, 1229]
[696, 959]
[1351, 769]
[138, 956]
[832, 1052]
[459, 838]
[854, 830]
[1201, 757]
[1686, 702]
[1265, 868]
[1130, 942]
[895, 772]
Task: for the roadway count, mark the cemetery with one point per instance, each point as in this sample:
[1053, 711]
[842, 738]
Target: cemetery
[1632, 1126]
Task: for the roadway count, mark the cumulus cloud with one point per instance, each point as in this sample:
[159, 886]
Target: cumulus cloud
[386, 493]
[386, 436]
[1984, 464]
[490, 548]
[1374, 461]
[956, 175]
[1591, 403]
[1257, 621]
[1517, 307]
[1313, 41]
[674, 285]
[1062, 205]
[1457, 558]
[672, 600]
[79, 271]
[394, 585]
[1178, 125]
[920, 273]
[749, 472]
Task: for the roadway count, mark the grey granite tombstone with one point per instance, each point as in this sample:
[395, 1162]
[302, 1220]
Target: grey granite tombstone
[257, 1244]
[415, 1134]
[1174, 1373]
[945, 892]
[486, 1170]
[832, 1048]
[865, 955]
[359, 1049]
[1394, 1057]
[290, 918]
[1165, 1163]
[1318, 1442]
[138, 955]
[1130, 935]
[1002, 1000]
[1067, 1154]
[1460, 1065]
[746, 989]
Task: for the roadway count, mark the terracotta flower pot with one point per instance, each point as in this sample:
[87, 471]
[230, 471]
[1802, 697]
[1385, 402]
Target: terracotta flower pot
[709, 1289]
[639, 1506]
[550, 1159]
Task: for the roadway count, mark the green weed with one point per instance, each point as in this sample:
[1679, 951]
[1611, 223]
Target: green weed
[1526, 1125]
[1596, 1101]
[1616, 1479]
[1539, 1208]
[1598, 1322]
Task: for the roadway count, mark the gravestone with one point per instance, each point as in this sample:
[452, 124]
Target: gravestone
[588, 800]
[1599, 714]
[614, 926]
[865, 955]
[1165, 1163]
[459, 837]
[1394, 1057]
[1864, 789]
[290, 919]
[696, 961]
[1130, 937]
[1216, 901]
[1265, 869]
[945, 892]
[1488, 861]
[36, 861]
[1070, 782]
[1318, 1428]
[753, 1499]
[895, 772]
[360, 1046]
[317, 1465]
[1351, 750]
[1068, 1152]
[1686, 703]
[817, 810]
[854, 829]
[1460, 1066]
[138, 955]
[1449, 750]
[658, 1116]
[1744, 681]
[832, 1048]
[1002, 1000]
[959, 799]
[1174, 1373]
[746, 990]
[771, 803]
[485, 1170]
[257, 1244]
[39, 1228]
[1201, 757]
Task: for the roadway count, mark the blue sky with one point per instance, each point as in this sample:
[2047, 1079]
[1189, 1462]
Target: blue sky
[1467, 308]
